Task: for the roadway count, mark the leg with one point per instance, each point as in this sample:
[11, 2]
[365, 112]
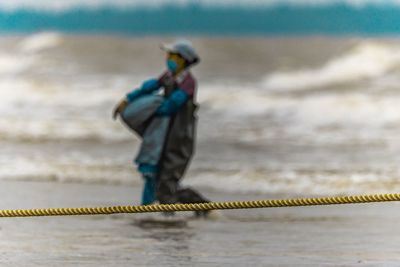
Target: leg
[167, 191]
[149, 156]
[153, 141]
[149, 190]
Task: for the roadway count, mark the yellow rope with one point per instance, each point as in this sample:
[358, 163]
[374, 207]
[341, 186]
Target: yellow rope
[203, 206]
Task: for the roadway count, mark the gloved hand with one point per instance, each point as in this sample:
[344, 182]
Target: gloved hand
[119, 108]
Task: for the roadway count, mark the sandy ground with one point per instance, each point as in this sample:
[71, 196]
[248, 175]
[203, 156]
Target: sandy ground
[351, 235]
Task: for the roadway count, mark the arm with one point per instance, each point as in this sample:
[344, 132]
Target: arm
[173, 103]
[147, 87]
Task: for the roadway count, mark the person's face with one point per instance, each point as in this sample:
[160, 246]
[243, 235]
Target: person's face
[175, 63]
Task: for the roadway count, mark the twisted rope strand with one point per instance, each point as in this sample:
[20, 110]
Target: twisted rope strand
[203, 206]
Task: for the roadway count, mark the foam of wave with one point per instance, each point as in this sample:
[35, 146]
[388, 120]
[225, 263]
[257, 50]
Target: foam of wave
[26, 54]
[82, 169]
[295, 182]
[50, 112]
[253, 116]
[40, 41]
[366, 61]
[57, 112]
[13, 64]
[71, 4]
[80, 108]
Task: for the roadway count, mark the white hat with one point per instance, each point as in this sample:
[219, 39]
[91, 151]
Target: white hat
[184, 48]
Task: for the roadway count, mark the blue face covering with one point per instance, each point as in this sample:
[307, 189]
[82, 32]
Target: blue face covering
[172, 65]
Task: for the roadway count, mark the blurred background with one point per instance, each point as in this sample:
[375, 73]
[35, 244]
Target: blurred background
[296, 96]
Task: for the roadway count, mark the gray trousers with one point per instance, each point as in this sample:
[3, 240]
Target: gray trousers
[139, 116]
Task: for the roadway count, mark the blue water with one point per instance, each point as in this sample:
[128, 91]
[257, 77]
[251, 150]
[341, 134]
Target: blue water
[196, 19]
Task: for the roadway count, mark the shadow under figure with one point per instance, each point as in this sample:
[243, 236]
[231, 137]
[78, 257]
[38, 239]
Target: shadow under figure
[167, 125]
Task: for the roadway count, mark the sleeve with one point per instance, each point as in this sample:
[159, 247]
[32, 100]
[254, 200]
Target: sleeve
[173, 103]
[147, 87]
[189, 86]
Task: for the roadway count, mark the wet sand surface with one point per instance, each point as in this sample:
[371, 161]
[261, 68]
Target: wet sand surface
[349, 235]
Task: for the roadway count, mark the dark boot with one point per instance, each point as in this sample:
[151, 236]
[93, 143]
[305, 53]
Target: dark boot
[187, 195]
